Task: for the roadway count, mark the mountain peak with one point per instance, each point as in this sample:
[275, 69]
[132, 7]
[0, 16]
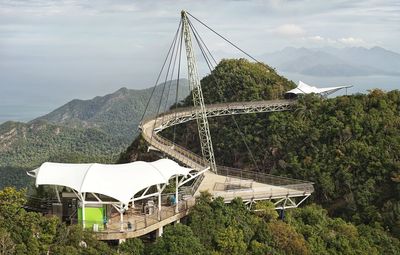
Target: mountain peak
[122, 90]
[331, 61]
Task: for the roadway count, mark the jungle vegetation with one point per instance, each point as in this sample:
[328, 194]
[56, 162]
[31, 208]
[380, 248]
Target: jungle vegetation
[212, 227]
[348, 146]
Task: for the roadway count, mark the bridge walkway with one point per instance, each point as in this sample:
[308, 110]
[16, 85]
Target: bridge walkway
[259, 186]
[229, 183]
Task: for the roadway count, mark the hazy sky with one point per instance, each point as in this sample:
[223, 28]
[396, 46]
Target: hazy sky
[52, 51]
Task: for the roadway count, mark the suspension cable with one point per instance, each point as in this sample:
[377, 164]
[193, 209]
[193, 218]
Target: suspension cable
[171, 77]
[205, 45]
[158, 78]
[166, 77]
[208, 61]
[177, 83]
[197, 37]
[225, 39]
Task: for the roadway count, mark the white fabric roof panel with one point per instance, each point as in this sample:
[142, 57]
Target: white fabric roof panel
[303, 88]
[120, 181]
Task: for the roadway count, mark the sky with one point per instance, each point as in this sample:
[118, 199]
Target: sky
[53, 51]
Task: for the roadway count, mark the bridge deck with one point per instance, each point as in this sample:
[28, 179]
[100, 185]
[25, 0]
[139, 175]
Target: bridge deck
[138, 224]
[229, 183]
[248, 190]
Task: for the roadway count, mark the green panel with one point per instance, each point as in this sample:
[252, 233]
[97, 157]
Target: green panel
[92, 216]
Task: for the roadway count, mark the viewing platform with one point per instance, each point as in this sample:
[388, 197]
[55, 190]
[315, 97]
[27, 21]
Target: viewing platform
[138, 223]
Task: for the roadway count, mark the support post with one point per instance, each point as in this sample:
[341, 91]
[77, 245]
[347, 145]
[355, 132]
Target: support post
[160, 231]
[159, 201]
[57, 194]
[176, 195]
[83, 213]
[121, 214]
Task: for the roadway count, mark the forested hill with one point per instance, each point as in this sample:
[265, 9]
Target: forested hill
[26, 146]
[117, 114]
[232, 80]
[349, 146]
[94, 130]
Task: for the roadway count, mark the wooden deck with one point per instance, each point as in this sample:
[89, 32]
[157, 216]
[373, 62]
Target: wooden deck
[137, 224]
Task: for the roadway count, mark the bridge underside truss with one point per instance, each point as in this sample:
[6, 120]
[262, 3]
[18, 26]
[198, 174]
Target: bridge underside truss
[283, 192]
[283, 203]
[174, 118]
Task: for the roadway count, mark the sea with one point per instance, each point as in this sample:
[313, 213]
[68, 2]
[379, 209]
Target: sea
[23, 112]
[15, 108]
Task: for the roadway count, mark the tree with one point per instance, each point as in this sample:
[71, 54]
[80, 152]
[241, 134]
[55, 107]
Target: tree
[7, 245]
[230, 241]
[132, 246]
[11, 202]
[177, 240]
[266, 210]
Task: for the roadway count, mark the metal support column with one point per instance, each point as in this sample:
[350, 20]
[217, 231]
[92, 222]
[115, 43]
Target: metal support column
[198, 99]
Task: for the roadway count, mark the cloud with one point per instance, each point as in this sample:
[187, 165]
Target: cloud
[290, 30]
[338, 42]
[316, 38]
[352, 41]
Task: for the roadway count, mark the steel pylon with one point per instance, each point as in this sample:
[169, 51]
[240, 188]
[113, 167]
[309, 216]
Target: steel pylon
[198, 99]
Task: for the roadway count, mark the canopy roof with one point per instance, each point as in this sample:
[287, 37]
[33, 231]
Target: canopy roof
[120, 182]
[303, 88]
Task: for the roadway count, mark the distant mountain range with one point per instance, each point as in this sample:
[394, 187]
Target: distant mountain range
[117, 114]
[82, 130]
[331, 62]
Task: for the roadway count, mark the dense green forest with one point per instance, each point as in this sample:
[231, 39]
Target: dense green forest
[28, 145]
[348, 145]
[212, 227]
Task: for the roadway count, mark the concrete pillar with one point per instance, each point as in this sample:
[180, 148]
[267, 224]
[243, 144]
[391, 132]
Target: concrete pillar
[178, 221]
[121, 241]
[159, 231]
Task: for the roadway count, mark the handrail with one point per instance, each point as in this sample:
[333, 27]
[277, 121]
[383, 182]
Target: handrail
[229, 171]
[198, 163]
[219, 105]
[142, 221]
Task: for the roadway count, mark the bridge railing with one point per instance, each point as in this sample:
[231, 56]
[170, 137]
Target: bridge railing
[38, 204]
[190, 110]
[134, 222]
[190, 157]
[184, 155]
[269, 179]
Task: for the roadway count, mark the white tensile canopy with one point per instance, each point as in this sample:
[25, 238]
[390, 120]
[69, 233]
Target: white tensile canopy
[304, 88]
[120, 182]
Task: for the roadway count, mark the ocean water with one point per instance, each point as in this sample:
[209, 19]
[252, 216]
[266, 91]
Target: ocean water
[361, 84]
[14, 106]
[23, 112]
